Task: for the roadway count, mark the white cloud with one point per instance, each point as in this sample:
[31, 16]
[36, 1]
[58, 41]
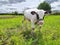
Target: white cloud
[20, 6]
[55, 5]
[2, 0]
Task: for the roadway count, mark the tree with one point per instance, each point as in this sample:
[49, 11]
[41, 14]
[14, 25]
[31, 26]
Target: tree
[45, 6]
[16, 12]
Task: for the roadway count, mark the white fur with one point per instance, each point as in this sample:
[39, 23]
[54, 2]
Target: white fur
[32, 18]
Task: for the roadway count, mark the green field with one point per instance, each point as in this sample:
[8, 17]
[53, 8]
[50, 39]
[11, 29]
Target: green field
[12, 32]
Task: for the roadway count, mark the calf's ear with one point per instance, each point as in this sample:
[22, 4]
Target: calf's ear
[33, 12]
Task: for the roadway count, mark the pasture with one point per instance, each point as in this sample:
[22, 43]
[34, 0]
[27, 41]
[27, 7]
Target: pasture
[12, 32]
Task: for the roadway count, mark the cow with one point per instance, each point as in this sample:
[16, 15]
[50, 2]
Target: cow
[35, 16]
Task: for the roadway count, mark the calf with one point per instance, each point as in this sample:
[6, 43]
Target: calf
[35, 16]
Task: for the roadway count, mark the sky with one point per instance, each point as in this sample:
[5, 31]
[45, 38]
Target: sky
[55, 5]
[8, 6]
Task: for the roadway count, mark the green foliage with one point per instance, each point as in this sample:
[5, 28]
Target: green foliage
[45, 6]
[12, 33]
[55, 13]
[13, 13]
[16, 13]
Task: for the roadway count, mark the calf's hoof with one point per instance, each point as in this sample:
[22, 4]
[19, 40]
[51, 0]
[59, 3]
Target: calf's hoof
[33, 28]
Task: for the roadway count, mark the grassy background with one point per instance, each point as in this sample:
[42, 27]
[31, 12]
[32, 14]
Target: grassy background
[12, 32]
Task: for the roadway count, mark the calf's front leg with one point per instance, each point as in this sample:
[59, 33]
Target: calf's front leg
[32, 25]
[33, 28]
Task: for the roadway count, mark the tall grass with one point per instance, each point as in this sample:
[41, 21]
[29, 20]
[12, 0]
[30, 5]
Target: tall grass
[12, 32]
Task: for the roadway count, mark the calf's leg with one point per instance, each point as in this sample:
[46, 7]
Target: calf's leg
[32, 25]
[23, 22]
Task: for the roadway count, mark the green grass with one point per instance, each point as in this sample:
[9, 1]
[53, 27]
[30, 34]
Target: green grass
[12, 32]
[51, 30]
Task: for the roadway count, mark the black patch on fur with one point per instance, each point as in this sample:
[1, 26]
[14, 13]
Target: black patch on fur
[33, 12]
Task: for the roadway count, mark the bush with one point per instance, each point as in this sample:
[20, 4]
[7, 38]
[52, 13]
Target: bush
[55, 13]
[45, 6]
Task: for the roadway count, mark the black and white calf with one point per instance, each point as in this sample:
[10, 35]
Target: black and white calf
[35, 16]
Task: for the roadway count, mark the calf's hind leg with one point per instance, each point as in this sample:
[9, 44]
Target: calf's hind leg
[25, 23]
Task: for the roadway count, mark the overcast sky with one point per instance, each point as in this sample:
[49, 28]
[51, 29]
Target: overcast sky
[55, 5]
[19, 5]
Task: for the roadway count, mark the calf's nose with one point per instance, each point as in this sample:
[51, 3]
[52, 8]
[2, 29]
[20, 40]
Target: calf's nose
[40, 22]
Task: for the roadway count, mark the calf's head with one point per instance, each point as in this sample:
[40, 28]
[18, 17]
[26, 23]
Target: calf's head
[39, 16]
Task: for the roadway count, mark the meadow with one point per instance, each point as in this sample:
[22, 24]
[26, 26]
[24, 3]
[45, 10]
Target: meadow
[12, 32]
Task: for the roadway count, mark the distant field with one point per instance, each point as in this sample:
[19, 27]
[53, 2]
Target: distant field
[12, 26]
